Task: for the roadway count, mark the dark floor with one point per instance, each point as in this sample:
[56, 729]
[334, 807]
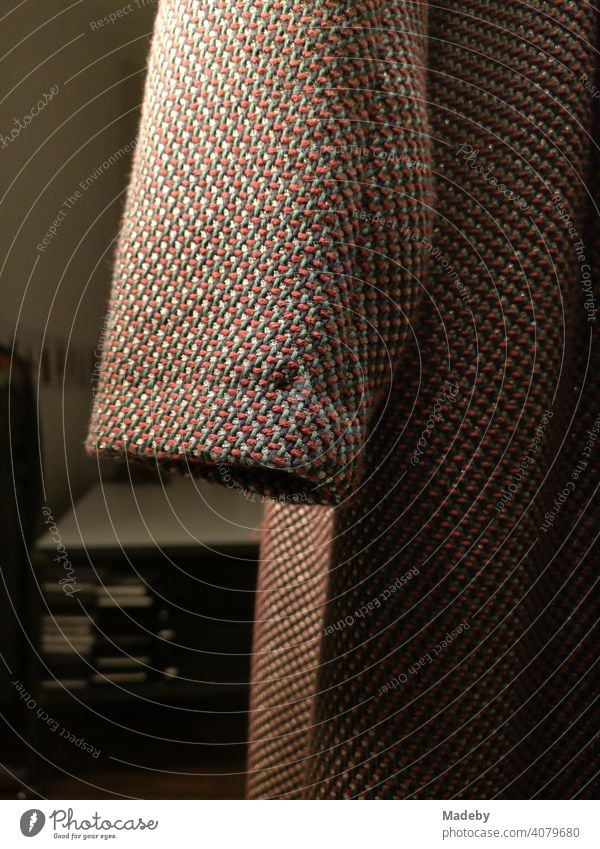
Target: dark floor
[201, 781]
[174, 784]
[195, 757]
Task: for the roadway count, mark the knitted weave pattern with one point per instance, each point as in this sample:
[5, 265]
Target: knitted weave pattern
[356, 270]
[246, 282]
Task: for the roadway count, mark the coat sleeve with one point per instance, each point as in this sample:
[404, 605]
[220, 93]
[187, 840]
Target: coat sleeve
[269, 259]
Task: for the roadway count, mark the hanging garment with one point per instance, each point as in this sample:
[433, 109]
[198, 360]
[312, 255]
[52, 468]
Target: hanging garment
[356, 274]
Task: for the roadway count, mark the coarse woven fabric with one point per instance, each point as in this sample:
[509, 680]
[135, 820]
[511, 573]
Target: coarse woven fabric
[356, 273]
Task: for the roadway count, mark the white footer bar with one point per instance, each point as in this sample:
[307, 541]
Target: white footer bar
[301, 825]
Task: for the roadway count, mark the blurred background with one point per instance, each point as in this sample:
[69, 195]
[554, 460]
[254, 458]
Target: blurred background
[126, 599]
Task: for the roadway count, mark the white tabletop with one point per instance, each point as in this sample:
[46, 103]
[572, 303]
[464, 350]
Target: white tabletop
[182, 513]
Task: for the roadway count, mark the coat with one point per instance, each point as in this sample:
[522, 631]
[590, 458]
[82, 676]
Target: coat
[356, 274]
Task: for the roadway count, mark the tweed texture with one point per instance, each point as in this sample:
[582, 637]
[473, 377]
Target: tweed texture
[356, 271]
[290, 612]
[245, 281]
